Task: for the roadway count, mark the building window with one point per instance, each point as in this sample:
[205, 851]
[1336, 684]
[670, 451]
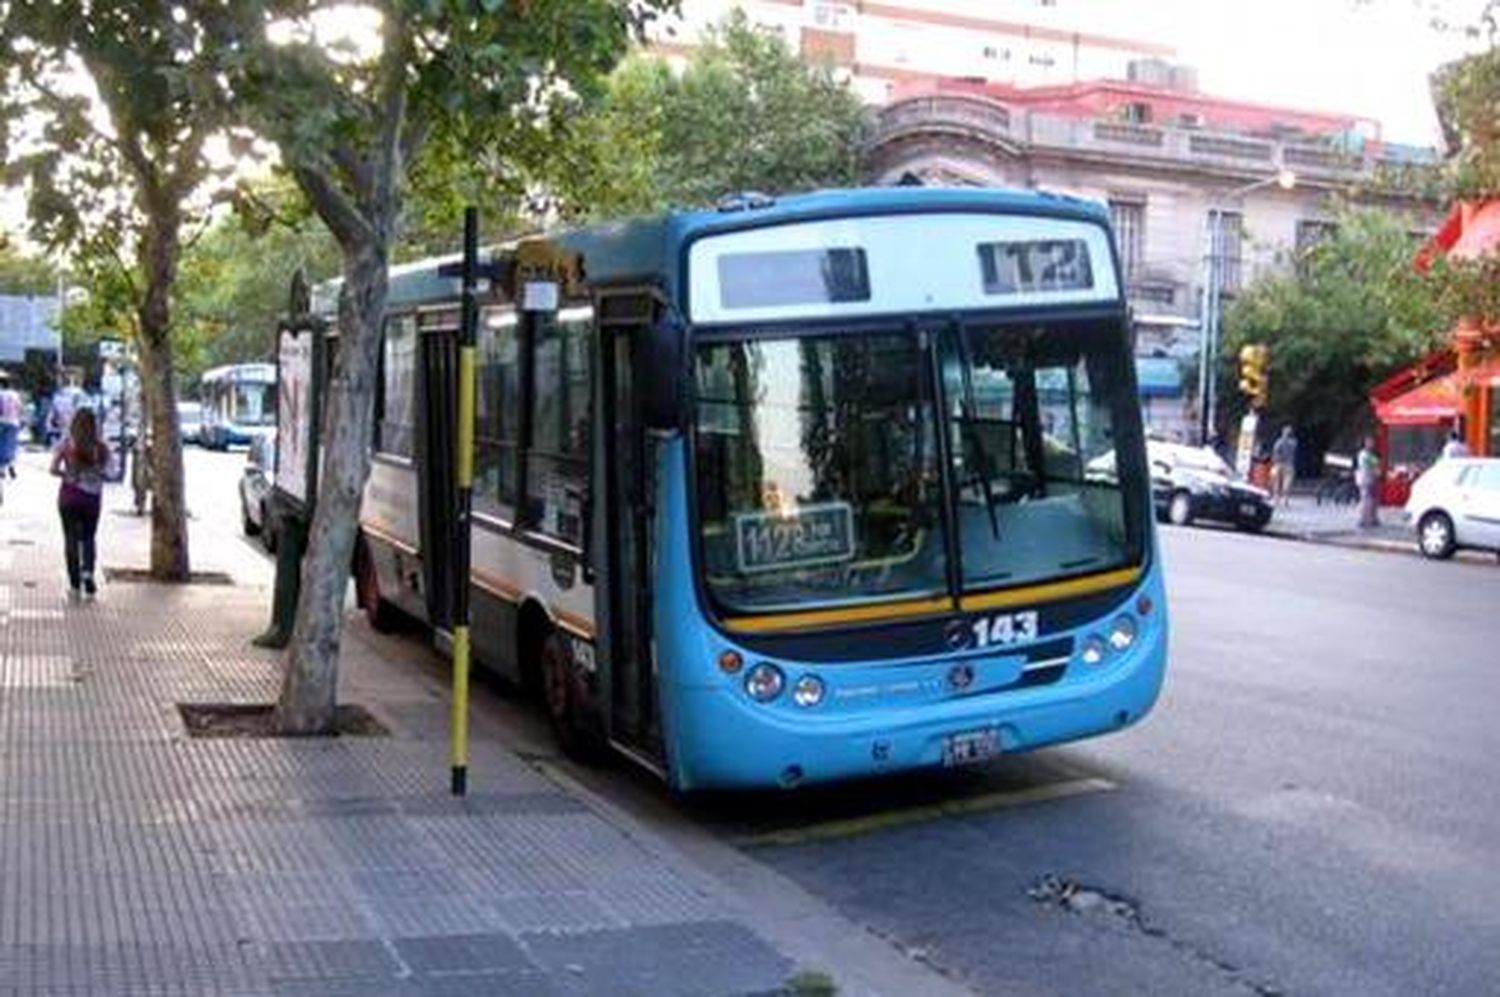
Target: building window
[1138, 112]
[1313, 233]
[1228, 236]
[398, 362]
[1129, 221]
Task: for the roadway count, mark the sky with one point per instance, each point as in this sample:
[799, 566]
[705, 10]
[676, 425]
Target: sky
[1365, 57]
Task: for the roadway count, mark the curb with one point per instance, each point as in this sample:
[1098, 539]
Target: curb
[1378, 544]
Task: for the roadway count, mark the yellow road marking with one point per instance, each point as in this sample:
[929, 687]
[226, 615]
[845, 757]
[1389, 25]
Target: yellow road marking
[983, 803]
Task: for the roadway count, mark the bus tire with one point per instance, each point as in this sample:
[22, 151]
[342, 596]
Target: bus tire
[382, 616]
[564, 694]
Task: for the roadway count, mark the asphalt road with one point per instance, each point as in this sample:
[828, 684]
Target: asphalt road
[1311, 809]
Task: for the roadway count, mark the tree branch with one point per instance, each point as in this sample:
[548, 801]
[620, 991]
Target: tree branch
[392, 101]
[343, 218]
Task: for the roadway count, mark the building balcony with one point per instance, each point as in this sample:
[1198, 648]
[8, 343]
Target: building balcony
[1169, 147]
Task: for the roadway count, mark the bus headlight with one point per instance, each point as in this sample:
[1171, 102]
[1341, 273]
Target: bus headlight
[764, 682]
[808, 691]
[1093, 651]
[1122, 632]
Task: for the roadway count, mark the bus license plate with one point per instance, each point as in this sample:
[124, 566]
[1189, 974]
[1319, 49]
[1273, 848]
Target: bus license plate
[1248, 509]
[971, 746]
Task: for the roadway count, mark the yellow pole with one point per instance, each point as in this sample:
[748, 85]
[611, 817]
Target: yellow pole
[463, 468]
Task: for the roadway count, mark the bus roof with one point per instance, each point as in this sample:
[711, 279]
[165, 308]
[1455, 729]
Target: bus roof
[648, 249]
[241, 372]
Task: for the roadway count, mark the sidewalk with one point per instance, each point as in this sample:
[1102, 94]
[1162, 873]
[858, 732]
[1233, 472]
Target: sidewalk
[136, 860]
[1304, 519]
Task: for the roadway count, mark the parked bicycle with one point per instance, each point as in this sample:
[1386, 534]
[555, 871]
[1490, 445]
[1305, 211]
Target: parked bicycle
[1337, 485]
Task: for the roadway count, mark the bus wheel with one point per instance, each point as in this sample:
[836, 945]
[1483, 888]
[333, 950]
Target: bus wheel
[382, 615]
[563, 697]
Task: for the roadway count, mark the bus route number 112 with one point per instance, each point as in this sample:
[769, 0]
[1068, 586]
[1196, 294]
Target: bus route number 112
[1006, 628]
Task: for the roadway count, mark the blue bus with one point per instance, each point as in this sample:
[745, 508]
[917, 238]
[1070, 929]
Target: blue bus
[239, 404]
[794, 490]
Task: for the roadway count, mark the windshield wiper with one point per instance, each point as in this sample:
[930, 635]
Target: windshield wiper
[970, 409]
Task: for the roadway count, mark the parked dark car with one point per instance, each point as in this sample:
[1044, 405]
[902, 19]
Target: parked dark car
[1193, 483]
[255, 490]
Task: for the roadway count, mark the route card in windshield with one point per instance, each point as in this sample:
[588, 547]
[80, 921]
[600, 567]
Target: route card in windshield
[807, 536]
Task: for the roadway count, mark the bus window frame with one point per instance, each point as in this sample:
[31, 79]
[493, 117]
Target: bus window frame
[1113, 312]
[521, 527]
[377, 448]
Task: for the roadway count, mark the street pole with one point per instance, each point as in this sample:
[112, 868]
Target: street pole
[1207, 326]
[1213, 299]
[464, 481]
[1211, 336]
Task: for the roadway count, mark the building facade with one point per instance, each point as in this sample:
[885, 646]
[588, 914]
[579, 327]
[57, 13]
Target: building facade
[1195, 185]
[883, 46]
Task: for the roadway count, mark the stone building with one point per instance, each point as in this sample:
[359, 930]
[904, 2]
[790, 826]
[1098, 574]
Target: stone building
[883, 46]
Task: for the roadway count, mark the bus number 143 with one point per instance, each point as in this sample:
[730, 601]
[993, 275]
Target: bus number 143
[1007, 628]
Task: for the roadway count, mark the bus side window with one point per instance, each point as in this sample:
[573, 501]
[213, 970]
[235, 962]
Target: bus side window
[393, 430]
[557, 468]
[497, 414]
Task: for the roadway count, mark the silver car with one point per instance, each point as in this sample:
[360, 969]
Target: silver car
[255, 489]
[1456, 503]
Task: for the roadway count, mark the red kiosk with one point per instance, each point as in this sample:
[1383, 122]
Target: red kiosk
[1454, 388]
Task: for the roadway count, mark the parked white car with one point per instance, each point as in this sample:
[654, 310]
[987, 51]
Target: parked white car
[1456, 503]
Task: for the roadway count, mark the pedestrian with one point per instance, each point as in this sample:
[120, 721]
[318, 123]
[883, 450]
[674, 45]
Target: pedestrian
[1367, 477]
[12, 414]
[67, 400]
[1283, 466]
[80, 461]
[1455, 447]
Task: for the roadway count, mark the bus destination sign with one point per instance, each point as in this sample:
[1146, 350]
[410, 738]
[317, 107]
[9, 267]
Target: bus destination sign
[807, 536]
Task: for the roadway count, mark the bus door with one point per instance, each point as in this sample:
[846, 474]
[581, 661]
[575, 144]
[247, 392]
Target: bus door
[436, 429]
[626, 497]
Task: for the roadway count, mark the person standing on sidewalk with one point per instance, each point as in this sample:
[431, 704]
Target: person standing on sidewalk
[1367, 477]
[1283, 466]
[12, 413]
[80, 461]
[1455, 447]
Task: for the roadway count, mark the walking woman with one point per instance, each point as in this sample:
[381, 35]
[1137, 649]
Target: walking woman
[80, 460]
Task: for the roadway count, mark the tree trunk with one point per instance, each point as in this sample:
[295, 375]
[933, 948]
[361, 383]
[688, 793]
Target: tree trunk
[309, 691]
[169, 539]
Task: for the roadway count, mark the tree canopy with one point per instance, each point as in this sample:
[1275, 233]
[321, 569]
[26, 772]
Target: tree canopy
[745, 113]
[23, 273]
[105, 118]
[353, 112]
[1351, 312]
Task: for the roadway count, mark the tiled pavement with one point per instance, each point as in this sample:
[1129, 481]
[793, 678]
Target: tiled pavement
[136, 860]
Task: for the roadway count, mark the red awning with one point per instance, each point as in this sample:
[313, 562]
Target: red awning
[1436, 402]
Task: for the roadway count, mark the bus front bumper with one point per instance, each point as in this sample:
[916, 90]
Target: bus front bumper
[727, 741]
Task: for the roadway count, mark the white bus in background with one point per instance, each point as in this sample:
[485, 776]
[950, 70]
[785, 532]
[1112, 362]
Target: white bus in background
[239, 404]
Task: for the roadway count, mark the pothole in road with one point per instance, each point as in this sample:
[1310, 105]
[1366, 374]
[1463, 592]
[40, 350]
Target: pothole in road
[1078, 898]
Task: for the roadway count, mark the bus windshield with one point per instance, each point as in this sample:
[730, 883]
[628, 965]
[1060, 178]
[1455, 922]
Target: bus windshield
[817, 471]
[819, 476]
[1030, 412]
[254, 404]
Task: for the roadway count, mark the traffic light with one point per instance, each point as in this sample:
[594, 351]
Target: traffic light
[1255, 382]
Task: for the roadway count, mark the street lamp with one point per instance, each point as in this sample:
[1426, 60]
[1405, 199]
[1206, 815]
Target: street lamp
[1212, 300]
